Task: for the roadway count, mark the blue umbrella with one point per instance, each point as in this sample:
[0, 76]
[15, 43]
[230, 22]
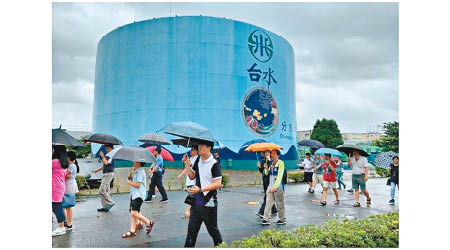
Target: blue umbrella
[332, 152]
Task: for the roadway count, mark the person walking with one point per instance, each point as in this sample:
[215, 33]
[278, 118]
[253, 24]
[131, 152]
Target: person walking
[263, 167]
[156, 175]
[71, 189]
[308, 165]
[207, 173]
[317, 172]
[393, 170]
[275, 191]
[340, 173]
[329, 179]
[360, 176]
[108, 175]
[189, 183]
[137, 182]
[59, 166]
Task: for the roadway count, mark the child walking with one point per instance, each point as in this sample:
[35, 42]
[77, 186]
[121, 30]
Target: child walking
[137, 196]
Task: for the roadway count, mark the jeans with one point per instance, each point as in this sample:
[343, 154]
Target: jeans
[263, 206]
[58, 211]
[156, 181]
[104, 189]
[393, 185]
[339, 179]
[199, 215]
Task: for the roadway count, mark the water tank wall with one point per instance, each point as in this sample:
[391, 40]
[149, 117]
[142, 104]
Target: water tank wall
[234, 78]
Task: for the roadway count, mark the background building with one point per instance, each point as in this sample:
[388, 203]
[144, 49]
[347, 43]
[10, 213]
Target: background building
[234, 78]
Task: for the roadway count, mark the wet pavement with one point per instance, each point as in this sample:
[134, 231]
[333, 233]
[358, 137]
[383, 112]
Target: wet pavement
[236, 219]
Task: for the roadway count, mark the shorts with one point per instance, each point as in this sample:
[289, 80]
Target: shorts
[329, 184]
[308, 177]
[135, 205]
[318, 178]
[357, 181]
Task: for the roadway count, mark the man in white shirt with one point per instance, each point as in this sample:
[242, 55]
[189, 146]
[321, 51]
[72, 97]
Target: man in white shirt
[208, 177]
[360, 176]
[308, 166]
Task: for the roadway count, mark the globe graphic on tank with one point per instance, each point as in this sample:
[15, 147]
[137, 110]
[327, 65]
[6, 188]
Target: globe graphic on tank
[260, 111]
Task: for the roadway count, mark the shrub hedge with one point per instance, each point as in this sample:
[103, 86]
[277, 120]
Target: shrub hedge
[225, 179]
[382, 172]
[379, 231]
[296, 176]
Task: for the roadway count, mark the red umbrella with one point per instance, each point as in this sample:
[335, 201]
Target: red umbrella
[164, 153]
[334, 158]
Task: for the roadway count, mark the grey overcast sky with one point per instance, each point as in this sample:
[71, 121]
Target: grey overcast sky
[346, 55]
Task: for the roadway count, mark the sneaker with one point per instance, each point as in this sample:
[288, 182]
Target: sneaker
[68, 228]
[110, 206]
[102, 210]
[58, 231]
[279, 222]
[260, 215]
[350, 190]
[392, 202]
[265, 222]
[164, 200]
[148, 200]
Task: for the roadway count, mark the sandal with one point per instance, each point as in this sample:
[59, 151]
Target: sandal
[336, 202]
[150, 227]
[185, 216]
[357, 204]
[128, 234]
[139, 226]
[323, 203]
[368, 202]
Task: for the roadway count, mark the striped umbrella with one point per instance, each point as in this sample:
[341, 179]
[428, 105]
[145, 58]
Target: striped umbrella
[384, 160]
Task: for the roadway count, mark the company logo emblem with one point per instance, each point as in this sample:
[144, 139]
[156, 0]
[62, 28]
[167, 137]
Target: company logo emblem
[260, 45]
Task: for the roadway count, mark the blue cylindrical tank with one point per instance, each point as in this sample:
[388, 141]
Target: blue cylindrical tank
[234, 78]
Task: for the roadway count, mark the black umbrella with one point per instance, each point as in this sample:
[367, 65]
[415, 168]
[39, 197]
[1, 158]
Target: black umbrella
[60, 136]
[349, 148]
[184, 142]
[311, 143]
[102, 139]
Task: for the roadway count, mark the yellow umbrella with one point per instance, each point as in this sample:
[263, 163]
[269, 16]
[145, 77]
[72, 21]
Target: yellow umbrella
[263, 146]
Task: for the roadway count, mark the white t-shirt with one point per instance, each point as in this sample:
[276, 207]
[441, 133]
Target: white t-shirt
[190, 182]
[359, 165]
[208, 172]
[308, 165]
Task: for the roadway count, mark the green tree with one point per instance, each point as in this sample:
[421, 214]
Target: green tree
[327, 132]
[82, 152]
[388, 141]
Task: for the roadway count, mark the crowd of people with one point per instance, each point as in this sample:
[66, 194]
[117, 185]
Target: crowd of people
[203, 178]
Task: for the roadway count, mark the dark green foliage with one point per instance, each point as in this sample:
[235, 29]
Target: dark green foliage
[327, 132]
[82, 152]
[380, 231]
[382, 172]
[389, 141]
[225, 179]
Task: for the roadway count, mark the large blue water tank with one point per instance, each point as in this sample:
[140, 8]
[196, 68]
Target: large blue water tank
[234, 78]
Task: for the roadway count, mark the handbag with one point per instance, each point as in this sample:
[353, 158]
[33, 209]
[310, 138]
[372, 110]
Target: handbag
[388, 183]
[68, 200]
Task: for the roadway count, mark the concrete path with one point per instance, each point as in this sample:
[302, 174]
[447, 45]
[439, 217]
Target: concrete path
[236, 218]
